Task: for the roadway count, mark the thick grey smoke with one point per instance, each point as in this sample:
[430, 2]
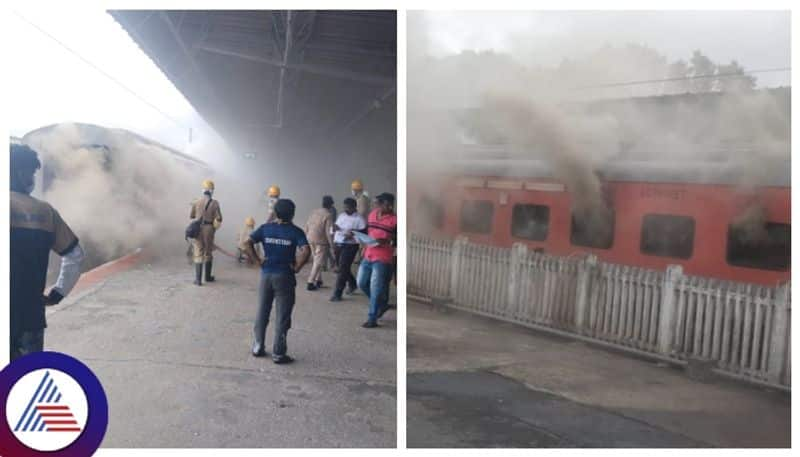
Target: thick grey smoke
[119, 191]
[575, 148]
[116, 191]
[554, 114]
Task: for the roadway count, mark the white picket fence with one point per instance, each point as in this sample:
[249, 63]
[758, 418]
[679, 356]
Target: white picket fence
[743, 328]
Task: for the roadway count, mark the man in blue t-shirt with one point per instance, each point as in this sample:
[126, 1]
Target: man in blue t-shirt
[280, 241]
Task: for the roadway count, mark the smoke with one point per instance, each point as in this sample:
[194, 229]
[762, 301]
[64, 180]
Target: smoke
[304, 172]
[115, 190]
[119, 191]
[750, 226]
[531, 128]
[557, 114]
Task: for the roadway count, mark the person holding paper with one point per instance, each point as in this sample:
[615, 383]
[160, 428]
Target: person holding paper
[348, 225]
[375, 271]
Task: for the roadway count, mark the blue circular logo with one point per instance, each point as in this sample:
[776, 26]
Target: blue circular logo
[54, 405]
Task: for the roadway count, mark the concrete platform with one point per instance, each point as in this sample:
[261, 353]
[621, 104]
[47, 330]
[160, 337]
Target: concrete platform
[477, 382]
[174, 361]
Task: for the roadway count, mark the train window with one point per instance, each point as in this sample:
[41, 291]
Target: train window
[767, 249]
[476, 216]
[597, 232]
[666, 235]
[531, 222]
[431, 212]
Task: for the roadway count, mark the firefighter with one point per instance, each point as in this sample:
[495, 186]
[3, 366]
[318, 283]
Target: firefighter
[36, 229]
[273, 194]
[207, 210]
[281, 240]
[244, 234]
[362, 208]
[319, 228]
[361, 197]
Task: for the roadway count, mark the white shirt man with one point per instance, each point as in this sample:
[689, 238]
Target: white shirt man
[346, 224]
[347, 246]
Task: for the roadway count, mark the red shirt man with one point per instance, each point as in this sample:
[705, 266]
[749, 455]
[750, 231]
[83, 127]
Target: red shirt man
[381, 226]
[375, 271]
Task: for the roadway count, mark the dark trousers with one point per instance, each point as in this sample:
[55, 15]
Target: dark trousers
[278, 288]
[26, 342]
[347, 253]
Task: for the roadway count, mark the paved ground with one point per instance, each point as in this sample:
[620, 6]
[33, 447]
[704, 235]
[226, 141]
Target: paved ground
[476, 382]
[174, 360]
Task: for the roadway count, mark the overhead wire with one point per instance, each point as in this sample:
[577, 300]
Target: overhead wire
[684, 78]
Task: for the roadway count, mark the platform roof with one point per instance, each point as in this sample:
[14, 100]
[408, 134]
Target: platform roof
[262, 78]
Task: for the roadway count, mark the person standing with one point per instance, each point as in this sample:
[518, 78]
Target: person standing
[331, 257]
[208, 212]
[36, 229]
[281, 241]
[318, 230]
[347, 247]
[363, 205]
[361, 197]
[273, 194]
[375, 271]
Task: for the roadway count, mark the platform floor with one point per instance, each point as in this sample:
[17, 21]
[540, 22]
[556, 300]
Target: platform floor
[174, 361]
[478, 382]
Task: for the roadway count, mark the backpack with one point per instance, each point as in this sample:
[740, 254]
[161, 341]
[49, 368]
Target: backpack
[193, 229]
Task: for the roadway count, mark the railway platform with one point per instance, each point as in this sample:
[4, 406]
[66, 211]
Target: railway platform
[478, 382]
[174, 360]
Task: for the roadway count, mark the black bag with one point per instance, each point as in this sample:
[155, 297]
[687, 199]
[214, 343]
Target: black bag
[193, 229]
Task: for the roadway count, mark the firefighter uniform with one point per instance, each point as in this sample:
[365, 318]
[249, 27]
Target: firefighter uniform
[273, 194]
[204, 243]
[318, 230]
[362, 199]
[207, 211]
[362, 208]
[244, 235]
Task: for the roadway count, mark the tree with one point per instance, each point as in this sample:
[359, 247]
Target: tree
[703, 69]
[678, 69]
[741, 83]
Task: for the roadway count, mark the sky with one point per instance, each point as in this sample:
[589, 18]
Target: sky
[51, 85]
[756, 39]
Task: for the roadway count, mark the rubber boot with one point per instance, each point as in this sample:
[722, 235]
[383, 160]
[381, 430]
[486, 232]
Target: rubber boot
[198, 274]
[209, 278]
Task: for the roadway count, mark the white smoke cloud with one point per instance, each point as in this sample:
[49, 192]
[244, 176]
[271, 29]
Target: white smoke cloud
[117, 198]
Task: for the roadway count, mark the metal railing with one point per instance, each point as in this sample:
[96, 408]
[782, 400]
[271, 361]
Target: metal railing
[744, 329]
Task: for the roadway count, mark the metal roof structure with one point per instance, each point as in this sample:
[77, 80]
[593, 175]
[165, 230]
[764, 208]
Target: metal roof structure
[270, 77]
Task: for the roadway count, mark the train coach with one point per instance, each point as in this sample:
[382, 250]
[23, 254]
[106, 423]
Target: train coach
[716, 219]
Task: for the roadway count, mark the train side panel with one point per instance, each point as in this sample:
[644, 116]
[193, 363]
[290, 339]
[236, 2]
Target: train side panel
[711, 208]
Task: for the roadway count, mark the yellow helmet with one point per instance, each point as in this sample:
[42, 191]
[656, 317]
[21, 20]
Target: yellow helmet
[357, 185]
[208, 184]
[249, 221]
[274, 191]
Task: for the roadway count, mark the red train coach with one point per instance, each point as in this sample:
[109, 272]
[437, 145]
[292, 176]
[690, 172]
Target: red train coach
[661, 214]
